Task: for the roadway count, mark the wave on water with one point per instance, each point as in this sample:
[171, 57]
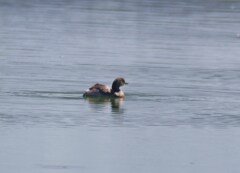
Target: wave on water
[73, 95]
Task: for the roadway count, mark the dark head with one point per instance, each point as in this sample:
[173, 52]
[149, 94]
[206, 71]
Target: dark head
[118, 82]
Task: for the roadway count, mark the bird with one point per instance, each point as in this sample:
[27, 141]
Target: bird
[101, 90]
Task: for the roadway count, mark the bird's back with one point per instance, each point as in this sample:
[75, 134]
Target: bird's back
[98, 90]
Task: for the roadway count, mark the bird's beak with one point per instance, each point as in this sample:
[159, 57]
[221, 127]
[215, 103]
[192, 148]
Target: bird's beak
[125, 83]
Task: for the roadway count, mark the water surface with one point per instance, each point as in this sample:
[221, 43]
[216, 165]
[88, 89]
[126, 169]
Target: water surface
[181, 111]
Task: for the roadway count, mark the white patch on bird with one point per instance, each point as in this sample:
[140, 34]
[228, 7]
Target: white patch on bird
[119, 94]
[108, 88]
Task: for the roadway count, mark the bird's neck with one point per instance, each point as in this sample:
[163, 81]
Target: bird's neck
[115, 88]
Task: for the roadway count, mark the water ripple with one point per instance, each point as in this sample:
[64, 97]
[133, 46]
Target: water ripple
[49, 94]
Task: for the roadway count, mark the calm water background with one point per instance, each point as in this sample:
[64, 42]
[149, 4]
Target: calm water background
[181, 112]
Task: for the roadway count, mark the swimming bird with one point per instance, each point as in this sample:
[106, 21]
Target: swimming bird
[100, 90]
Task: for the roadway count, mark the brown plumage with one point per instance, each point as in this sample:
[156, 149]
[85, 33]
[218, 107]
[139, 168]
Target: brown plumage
[100, 90]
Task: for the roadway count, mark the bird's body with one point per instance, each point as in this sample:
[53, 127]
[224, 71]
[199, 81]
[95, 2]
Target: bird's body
[100, 90]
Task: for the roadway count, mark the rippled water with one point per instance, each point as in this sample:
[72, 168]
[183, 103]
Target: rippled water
[181, 111]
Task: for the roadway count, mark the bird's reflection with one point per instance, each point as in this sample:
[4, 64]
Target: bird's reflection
[115, 103]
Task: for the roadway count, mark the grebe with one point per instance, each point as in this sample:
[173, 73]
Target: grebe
[100, 90]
